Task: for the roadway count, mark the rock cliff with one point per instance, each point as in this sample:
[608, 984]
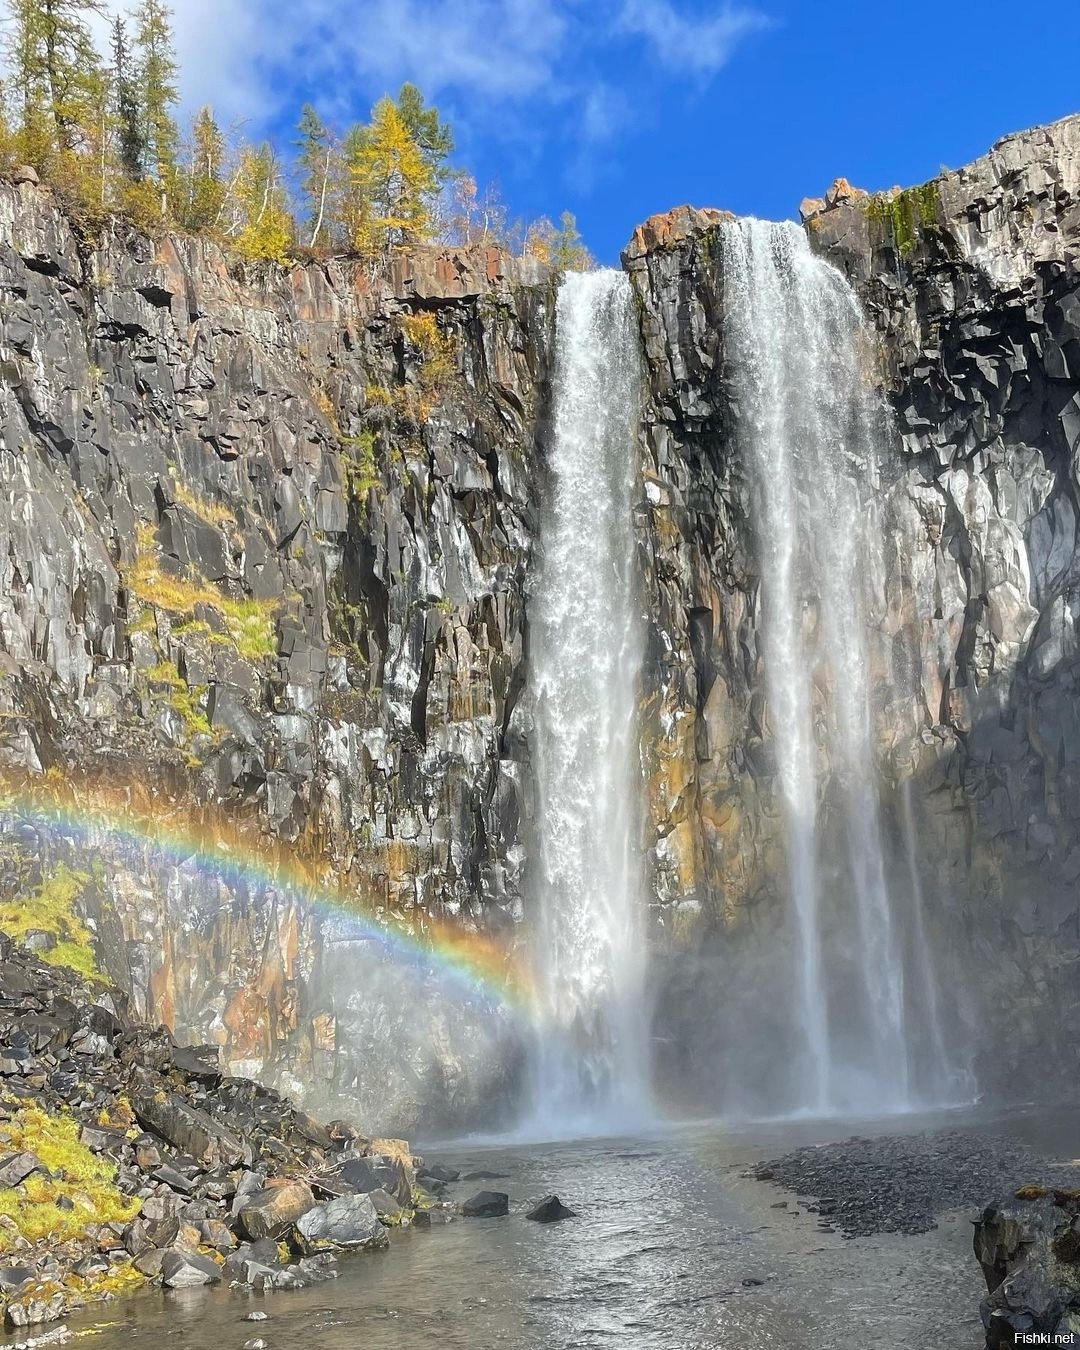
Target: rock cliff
[262, 554]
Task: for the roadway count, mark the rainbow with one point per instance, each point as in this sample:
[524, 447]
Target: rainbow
[473, 965]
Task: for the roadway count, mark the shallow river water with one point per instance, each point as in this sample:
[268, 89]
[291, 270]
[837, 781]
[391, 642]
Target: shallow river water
[673, 1248]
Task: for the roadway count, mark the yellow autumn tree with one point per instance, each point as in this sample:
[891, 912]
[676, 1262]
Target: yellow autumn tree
[262, 225]
[393, 179]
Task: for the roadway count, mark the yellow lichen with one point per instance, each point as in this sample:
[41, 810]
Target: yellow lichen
[213, 513]
[80, 1177]
[248, 622]
[51, 909]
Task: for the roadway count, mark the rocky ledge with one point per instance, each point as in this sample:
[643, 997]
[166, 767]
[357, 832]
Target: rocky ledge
[126, 1158]
[1029, 1250]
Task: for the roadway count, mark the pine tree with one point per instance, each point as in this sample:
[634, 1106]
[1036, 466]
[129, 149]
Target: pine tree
[315, 158]
[395, 180]
[132, 145]
[157, 75]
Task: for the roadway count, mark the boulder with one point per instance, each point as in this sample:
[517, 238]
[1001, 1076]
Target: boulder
[348, 1221]
[486, 1205]
[271, 1211]
[190, 1130]
[17, 1167]
[386, 1206]
[438, 1172]
[181, 1269]
[550, 1210]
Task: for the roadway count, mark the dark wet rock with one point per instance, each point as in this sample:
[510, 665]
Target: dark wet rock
[12, 1278]
[484, 1176]
[486, 1205]
[438, 1172]
[190, 1129]
[349, 1221]
[270, 1212]
[550, 1210]
[1029, 1251]
[386, 1206]
[201, 1062]
[432, 1218]
[901, 1183]
[183, 1269]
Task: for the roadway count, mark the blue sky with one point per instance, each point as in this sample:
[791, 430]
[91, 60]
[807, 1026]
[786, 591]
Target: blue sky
[615, 109]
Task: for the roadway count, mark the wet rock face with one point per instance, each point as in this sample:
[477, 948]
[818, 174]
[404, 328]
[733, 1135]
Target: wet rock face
[1029, 1250]
[972, 289]
[263, 547]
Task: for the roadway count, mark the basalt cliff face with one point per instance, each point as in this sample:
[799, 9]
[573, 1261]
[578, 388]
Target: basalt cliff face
[265, 553]
[263, 546]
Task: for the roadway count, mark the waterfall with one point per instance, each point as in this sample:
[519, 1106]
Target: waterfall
[809, 432]
[586, 649]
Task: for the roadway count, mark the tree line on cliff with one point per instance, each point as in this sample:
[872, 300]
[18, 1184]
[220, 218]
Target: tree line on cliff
[103, 131]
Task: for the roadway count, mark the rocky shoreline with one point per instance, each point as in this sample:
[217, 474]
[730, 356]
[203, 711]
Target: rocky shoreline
[902, 1183]
[125, 1158]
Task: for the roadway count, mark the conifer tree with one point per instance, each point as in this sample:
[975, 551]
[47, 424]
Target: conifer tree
[435, 139]
[315, 158]
[157, 75]
[205, 189]
[395, 180]
[131, 143]
[561, 245]
[55, 71]
[262, 224]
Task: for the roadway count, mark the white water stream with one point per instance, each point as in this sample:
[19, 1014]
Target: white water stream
[587, 634]
[809, 431]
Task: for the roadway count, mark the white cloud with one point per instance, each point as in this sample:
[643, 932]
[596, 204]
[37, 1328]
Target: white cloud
[491, 62]
[700, 45]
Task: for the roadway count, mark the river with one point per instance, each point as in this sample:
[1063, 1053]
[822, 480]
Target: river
[674, 1247]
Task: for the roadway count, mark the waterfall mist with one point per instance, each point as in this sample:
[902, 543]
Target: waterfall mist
[587, 643]
[858, 998]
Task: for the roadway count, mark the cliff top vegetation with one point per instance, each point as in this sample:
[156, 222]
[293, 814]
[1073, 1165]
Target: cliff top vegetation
[103, 131]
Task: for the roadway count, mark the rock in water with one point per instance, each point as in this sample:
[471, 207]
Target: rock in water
[182, 1269]
[348, 1221]
[437, 1172]
[486, 1205]
[550, 1210]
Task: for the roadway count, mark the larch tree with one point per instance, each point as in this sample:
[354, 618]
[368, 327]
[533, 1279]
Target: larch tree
[55, 70]
[158, 95]
[262, 226]
[434, 137]
[205, 188]
[561, 246]
[395, 179]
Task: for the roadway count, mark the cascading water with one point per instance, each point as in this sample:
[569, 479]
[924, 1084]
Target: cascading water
[809, 431]
[587, 642]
